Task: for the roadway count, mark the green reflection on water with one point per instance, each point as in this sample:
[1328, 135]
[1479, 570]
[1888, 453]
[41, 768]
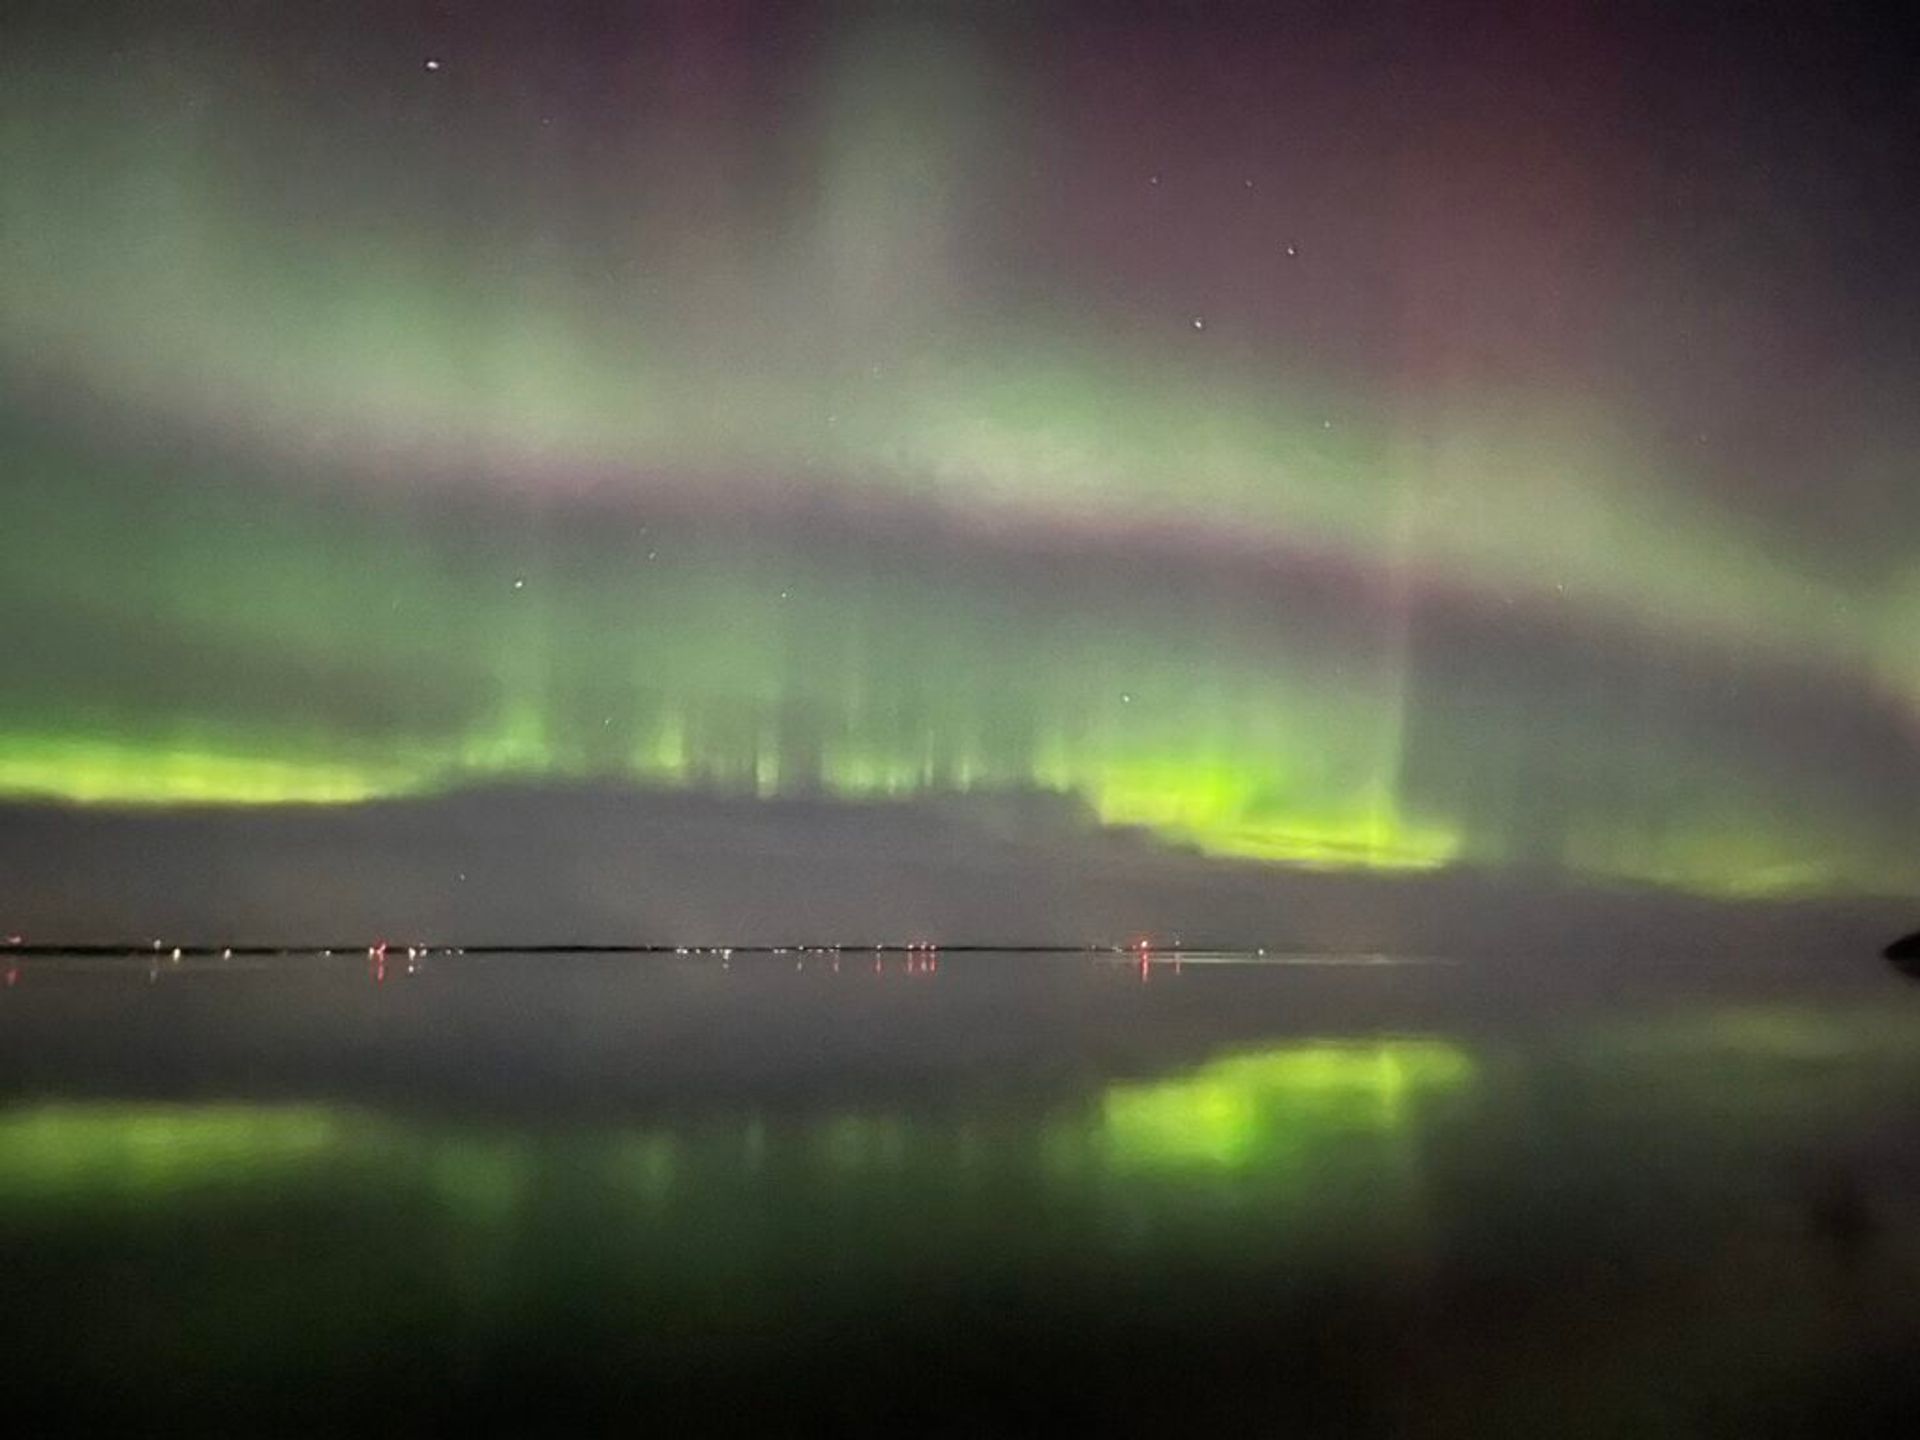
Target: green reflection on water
[1244, 1110]
[264, 1244]
[151, 1150]
[482, 1181]
[1237, 1116]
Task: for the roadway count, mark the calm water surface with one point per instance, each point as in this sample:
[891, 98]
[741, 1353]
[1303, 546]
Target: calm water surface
[973, 1194]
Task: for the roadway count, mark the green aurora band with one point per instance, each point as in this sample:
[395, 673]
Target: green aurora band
[375, 478]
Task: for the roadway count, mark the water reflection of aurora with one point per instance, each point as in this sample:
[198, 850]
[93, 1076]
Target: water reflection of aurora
[1305, 1190]
[1271, 1108]
[1236, 1117]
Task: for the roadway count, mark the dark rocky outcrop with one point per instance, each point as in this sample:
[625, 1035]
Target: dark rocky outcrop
[1905, 954]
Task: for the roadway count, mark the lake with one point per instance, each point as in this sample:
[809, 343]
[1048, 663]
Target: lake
[964, 1193]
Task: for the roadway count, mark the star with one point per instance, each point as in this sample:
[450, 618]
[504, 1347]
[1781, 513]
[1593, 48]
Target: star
[433, 64]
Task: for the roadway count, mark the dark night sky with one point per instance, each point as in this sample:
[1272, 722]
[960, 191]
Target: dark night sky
[1419, 448]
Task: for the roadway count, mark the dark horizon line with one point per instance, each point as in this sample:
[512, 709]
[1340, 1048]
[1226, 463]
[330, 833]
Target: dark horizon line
[109, 950]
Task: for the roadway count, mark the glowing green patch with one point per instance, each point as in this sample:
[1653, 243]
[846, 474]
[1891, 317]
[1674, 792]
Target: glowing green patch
[1246, 1110]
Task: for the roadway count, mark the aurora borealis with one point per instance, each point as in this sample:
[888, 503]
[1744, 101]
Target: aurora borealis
[1365, 442]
